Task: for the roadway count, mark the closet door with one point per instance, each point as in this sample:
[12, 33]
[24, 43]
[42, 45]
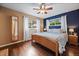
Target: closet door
[14, 28]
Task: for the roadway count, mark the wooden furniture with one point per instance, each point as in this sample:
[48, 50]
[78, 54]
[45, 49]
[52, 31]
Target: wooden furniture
[4, 52]
[52, 45]
[73, 39]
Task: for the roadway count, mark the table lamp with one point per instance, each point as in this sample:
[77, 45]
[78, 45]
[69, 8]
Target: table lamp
[71, 30]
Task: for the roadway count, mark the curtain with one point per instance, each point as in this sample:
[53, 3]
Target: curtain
[64, 23]
[38, 25]
[47, 25]
[26, 28]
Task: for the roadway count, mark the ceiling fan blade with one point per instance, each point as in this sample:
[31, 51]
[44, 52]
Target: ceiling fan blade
[36, 9]
[42, 5]
[38, 12]
[50, 8]
[45, 12]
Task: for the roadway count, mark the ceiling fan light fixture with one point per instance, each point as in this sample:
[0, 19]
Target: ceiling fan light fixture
[43, 9]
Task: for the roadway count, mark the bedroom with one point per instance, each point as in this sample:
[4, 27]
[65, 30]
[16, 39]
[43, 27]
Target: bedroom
[26, 30]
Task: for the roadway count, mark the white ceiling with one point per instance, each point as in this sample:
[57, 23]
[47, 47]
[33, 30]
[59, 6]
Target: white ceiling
[58, 8]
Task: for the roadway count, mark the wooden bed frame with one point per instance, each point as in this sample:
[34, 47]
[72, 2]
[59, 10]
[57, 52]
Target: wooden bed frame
[52, 45]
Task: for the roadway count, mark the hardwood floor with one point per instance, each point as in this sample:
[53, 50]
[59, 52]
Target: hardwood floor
[72, 50]
[28, 49]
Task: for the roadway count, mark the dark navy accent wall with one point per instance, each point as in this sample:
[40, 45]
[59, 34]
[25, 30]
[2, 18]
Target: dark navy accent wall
[72, 19]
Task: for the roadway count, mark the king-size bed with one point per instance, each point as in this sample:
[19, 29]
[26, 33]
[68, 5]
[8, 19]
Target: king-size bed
[53, 41]
[55, 38]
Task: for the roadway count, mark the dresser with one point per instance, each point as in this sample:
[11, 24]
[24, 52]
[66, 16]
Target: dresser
[73, 39]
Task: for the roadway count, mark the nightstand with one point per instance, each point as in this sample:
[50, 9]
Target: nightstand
[73, 39]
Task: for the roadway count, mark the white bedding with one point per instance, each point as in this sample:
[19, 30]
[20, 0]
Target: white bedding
[62, 39]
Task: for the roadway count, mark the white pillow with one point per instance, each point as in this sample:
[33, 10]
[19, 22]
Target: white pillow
[50, 30]
[56, 30]
[62, 31]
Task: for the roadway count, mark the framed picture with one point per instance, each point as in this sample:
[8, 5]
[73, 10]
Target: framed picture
[55, 23]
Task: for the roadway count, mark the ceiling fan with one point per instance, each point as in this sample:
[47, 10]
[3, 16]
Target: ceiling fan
[43, 8]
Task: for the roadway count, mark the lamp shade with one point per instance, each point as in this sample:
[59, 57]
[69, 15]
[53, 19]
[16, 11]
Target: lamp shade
[71, 30]
[45, 29]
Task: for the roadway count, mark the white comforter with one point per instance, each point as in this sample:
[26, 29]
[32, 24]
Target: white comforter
[62, 39]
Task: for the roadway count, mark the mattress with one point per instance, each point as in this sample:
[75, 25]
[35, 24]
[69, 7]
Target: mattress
[61, 38]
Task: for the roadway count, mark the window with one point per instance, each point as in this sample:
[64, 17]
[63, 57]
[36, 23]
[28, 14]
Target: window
[14, 28]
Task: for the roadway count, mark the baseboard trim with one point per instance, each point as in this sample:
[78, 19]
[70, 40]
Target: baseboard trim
[11, 43]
